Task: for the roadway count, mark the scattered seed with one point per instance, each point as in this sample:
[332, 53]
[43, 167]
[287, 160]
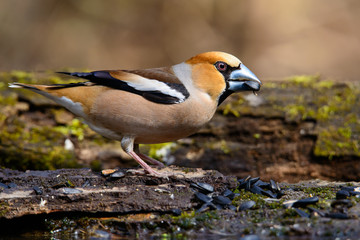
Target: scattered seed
[348, 189]
[203, 187]
[250, 237]
[221, 200]
[256, 189]
[215, 206]
[245, 179]
[289, 203]
[117, 174]
[301, 213]
[246, 205]
[231, 207]
[176, 211]
[274, 186]
[337, 215]
[345, 202]
[100, 234]
[38, 190]
[107, 172]
[354, 193]
[316, 212]
[12, 185]
[268, 193]
[280, 194]
[236, 195]
[202, 197]
[305, 202]
[262, 184]
[248, 185]
[219, 206]
[71, 190]
[229, 194]
[342, 194]
[86, 183]
[254, 180]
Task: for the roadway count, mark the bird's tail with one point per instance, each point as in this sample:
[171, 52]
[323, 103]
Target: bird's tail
[23, 85]
[59, 93]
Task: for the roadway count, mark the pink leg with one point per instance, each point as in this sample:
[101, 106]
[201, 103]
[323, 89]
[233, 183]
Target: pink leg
[127, 143]
[143, 164]
[147, 158]
[151, 160]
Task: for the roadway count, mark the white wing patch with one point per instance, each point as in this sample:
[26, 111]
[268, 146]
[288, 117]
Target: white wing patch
[147, 85]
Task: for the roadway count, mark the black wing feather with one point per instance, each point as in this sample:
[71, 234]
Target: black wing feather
[104, 78]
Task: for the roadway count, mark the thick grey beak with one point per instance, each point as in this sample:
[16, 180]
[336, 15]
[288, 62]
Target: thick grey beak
[243, 80]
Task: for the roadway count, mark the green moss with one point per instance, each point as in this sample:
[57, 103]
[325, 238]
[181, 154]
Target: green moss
[257, 135]
[64, 228]
[20, 75]
[224, 147]
[48, 77]
[294, 111]
[229, 109]
[310, 81]
[95, 165]
[290, 213]
[158, 151]
[4, 208]
[328, 104]
[258, 199]
[75, 127]
[36, 148]
[328, 99]
[327, 84]
[193, 220]
[233, 107]
[9, 100]
[325, 193]
[25, 146]
[304, 80]
[336, 142]
[188, 170]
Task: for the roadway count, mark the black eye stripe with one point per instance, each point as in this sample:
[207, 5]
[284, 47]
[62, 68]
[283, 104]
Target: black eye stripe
[226, 73]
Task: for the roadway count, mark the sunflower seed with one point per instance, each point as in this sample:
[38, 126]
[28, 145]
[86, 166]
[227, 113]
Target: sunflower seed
[246, 205]
[202, 197]
[203, 187]
[221, 200]
[342, 194]
[301, 213]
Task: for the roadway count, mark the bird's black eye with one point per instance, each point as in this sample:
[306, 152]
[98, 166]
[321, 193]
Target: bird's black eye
[221, 66]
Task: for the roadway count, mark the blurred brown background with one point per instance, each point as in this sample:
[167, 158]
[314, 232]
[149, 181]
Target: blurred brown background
[274, 38]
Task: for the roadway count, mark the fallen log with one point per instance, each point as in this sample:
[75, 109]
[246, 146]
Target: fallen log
[82, 190]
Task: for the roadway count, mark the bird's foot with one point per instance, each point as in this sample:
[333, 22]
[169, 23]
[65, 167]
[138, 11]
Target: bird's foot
[151, 172]
[147, 168]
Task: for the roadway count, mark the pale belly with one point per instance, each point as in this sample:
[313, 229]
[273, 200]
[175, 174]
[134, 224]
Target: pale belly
[147, 122]
[145, 134]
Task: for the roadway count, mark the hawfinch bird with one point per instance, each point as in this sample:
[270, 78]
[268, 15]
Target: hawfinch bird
[152, 105]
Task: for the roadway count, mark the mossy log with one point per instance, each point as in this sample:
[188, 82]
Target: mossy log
[65, 203]
[84, 191]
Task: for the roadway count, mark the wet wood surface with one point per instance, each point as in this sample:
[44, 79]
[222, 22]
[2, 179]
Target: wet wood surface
[82, 190]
